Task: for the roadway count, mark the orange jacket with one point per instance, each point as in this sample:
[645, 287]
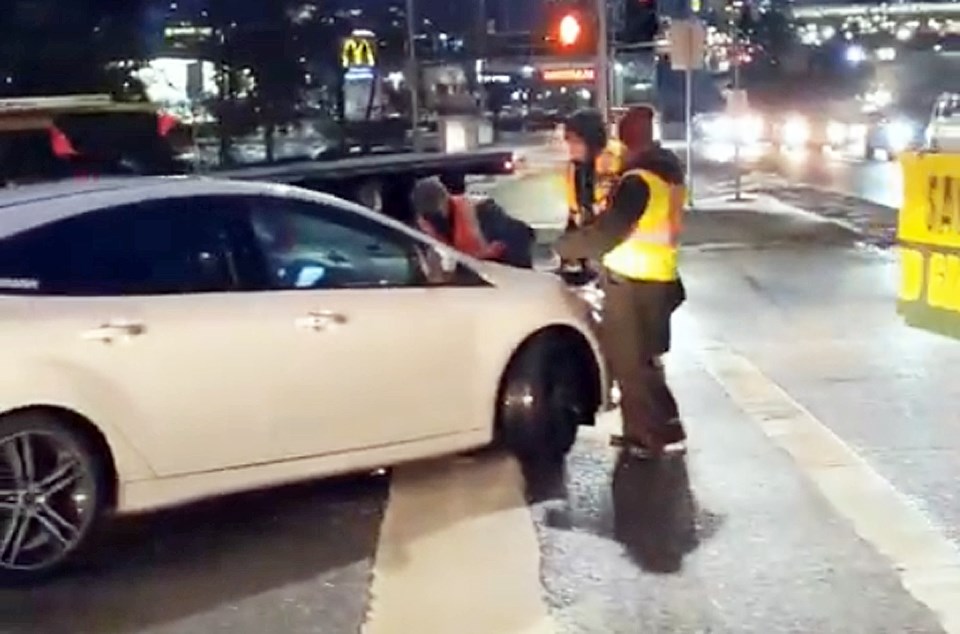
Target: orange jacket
[467, 236]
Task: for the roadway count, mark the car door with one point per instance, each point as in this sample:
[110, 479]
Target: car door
[146, 324]
[375, 355]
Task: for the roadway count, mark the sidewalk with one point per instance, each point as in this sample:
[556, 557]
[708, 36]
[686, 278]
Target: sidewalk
[731, 539]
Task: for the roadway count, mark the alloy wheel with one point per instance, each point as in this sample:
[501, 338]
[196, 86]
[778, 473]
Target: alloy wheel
[47, 499]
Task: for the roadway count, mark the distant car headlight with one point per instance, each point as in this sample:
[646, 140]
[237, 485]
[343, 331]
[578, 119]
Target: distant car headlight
[858, 132]
[899, 135]
[796, 131]
[837, 133]
[716, 128]
[749, 129]
[886, 54]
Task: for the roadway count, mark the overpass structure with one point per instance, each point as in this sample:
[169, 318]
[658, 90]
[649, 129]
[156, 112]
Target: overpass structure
[905, 9]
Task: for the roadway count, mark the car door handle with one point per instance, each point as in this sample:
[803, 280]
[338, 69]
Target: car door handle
[320, 320]
[113, 330]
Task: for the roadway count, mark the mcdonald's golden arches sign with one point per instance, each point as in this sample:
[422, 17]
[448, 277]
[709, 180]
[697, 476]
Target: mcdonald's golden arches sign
[358, 52]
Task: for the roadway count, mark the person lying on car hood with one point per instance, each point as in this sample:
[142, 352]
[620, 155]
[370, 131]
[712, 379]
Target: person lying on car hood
[452, 220]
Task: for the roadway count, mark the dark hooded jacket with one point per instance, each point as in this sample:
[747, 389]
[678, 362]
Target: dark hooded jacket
[589, 126]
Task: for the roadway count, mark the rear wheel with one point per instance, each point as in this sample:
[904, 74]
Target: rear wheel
[51, 495]
[546, 395]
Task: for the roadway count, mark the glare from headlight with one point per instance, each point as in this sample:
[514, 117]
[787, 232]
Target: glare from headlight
[856, 54]
[749, 129]
[716, 127]
[899, 135]
[746, 130]
[837, 133]
[858, 132]
[796, 131]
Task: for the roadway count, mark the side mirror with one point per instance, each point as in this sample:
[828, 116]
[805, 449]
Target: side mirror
[439, 264]
[448, 263]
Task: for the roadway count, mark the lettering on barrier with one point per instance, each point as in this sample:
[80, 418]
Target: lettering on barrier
[943, 204]
[938, 274]
[943, 281]
[911, 274]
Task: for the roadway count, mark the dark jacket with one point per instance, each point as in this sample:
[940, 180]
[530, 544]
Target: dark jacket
[517, 236]
[588, 124]
[628, 204]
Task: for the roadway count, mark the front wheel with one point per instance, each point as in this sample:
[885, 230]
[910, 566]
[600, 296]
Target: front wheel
[545, 398]
[51, 495]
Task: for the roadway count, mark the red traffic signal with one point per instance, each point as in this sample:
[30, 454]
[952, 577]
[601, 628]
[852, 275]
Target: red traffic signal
[569, 30]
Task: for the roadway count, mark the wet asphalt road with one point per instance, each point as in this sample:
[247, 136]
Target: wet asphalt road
[875, 181]
[733, 538]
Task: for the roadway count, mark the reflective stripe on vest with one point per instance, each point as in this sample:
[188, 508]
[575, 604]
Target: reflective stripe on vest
[650, 252]
[607, 168]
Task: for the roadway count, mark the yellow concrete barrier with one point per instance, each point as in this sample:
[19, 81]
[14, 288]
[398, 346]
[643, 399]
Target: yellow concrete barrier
[928, 232]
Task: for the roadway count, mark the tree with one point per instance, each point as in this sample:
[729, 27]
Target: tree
[775, 33]
[746, 23]
[262, 38]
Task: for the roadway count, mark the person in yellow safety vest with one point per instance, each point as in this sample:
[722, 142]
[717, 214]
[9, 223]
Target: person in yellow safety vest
[595, 165]
[635, 242]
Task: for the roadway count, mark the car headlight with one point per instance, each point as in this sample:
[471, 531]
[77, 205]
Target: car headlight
[858, 132]
[589, 296]
[837, 133]
[899, 135]
[591, 293]
[749, 129]
[716, 128]
[796, 131]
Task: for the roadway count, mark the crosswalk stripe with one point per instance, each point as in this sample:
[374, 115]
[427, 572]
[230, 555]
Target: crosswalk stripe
[926, 560]
[458, 552]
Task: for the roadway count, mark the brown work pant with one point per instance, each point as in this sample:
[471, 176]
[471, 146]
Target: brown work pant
[635, 332]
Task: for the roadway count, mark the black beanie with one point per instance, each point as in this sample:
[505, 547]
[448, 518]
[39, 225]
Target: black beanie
[588, 125]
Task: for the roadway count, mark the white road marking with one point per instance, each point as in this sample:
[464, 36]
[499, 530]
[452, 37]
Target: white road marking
[458, 552]
[928, 563]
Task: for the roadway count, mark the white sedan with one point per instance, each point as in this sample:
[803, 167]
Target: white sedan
[168, 339]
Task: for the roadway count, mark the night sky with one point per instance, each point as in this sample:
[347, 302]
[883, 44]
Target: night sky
[509, 14]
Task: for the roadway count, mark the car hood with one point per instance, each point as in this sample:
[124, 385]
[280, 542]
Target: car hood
[505, 276]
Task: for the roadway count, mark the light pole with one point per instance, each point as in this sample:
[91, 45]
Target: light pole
[738, 122]
[413, 76]
[603, 61]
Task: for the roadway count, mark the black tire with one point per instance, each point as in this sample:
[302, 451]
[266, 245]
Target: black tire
[545, 397]
[77, 497]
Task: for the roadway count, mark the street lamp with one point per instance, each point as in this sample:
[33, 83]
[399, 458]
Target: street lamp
[413, 76]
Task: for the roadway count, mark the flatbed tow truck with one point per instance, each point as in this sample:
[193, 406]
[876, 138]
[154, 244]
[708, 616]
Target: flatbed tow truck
[51, 138]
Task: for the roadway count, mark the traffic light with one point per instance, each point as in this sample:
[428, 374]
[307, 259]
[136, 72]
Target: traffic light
[641, 22]
[571, 31]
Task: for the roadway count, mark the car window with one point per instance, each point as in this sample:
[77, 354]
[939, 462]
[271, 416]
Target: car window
[948, 107]
[158, 248]
[316, 246]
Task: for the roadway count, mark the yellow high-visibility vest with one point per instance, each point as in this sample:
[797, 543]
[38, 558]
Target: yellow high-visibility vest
[607, 168]
[650, 251]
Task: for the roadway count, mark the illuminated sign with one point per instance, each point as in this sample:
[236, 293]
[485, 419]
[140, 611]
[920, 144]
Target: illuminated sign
[358, 52]
[569, 74]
